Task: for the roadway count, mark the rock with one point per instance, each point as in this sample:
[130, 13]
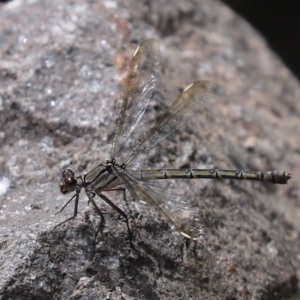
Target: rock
[62, 69]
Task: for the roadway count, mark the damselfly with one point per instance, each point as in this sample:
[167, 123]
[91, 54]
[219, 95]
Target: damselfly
[109, 175]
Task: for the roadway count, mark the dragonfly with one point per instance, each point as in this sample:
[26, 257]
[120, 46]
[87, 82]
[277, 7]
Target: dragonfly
[113, 175]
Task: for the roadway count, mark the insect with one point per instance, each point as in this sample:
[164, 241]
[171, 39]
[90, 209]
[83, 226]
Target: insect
[112, 174]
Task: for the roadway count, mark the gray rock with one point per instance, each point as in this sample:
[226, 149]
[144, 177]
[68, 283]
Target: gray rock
[62, 69]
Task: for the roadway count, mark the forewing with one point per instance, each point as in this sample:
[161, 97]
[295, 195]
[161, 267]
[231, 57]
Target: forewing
[173, 208]
[138, 91]
[183, 109]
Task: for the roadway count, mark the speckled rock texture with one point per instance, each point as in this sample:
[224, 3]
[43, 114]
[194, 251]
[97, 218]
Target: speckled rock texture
[62, 70]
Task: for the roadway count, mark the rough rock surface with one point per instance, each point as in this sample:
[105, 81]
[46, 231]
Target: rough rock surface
[62, 68]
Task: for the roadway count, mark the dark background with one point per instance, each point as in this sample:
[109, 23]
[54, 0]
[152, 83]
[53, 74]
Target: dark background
[278, 22]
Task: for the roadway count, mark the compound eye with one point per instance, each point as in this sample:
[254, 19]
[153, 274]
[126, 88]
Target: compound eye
[68, 173]
[68, 181]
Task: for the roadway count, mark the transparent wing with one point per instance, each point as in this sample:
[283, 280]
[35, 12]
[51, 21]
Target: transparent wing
[183, 109]
[173, 208]
[138, 91]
